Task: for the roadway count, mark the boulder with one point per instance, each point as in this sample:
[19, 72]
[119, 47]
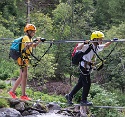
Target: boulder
[9, 112]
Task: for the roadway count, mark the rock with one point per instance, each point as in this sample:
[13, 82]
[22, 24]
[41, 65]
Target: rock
[13, 102]
[25, 113]
[83, 111]
[9, 112]
[33, 112]
[20, 106]
[32, 116]
[53, 106]
[39, 106]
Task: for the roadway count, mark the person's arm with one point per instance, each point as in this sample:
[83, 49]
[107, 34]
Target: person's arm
[107, 44]
[80, 46]
[34, 44]
[37, 42]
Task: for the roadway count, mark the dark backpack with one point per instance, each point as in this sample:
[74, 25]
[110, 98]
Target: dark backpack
[77, 56]
[15, 48]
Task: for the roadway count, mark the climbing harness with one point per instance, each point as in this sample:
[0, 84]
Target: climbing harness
[101, 64]
[39, 59]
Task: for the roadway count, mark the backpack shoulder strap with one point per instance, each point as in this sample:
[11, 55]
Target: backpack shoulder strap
[97, 55]
[21, 38]
[89, 49]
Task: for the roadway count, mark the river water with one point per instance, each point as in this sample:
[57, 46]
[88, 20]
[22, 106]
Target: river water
[51, 115]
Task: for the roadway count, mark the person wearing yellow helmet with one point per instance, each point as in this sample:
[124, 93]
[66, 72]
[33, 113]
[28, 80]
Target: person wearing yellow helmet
[27, 45]
[97, 36]
[84, 81]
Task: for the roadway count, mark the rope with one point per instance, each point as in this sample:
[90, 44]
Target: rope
[70, 41]
[111, 107]
[24, 100]
[38, 101]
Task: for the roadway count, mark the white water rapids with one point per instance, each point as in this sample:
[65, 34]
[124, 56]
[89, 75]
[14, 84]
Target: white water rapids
[51, 115]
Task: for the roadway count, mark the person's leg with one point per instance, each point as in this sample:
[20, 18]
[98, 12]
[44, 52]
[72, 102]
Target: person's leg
[86, 84]
[86, 87]
[24, 80]
[86, 81]
[17, 83]
[24, 83]
[77, 87]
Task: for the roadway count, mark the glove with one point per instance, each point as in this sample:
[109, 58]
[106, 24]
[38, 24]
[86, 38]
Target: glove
[115, 39]
[86, 41]
[42, 39]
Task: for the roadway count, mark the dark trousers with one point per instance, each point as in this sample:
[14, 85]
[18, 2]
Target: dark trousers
[83, 82]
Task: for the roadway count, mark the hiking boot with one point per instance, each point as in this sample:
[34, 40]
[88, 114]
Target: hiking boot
[86, 103]
[69, 99]
[25, 97]
[12, 94]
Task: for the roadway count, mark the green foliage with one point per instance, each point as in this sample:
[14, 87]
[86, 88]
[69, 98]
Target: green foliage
[8, 69]
[120, 96]
[117, 11]
[5, 32]
[2, 84]
[105, 98]
[62, 21]
[102, 10]
[101, 97]
[43, 24]
[46, 67]
[10, 15]
[3, 103]
[4, 74]
[69, 20]
[35, 95]
[116, 32]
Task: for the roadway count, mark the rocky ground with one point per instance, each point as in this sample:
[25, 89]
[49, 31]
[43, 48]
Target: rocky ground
[19, 108]
[51, 87]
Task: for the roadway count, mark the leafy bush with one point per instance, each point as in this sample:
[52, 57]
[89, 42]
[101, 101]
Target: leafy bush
[2, 84]
[3, 103]
[44, 97]
[101, 97]
[104, 98]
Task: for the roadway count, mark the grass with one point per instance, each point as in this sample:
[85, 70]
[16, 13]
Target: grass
[35, 95]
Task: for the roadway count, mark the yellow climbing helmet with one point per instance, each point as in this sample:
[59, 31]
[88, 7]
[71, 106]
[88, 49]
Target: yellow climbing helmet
[97, 35]
[29, 27]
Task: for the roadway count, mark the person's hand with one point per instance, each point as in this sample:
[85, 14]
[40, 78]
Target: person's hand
[42, 39]
[86, 41]
[114, 39]
[38, 39]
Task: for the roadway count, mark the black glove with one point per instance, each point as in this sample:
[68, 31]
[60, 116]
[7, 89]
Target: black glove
[86, 41]
[35, 40]
[42, 39]
[115, 39]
